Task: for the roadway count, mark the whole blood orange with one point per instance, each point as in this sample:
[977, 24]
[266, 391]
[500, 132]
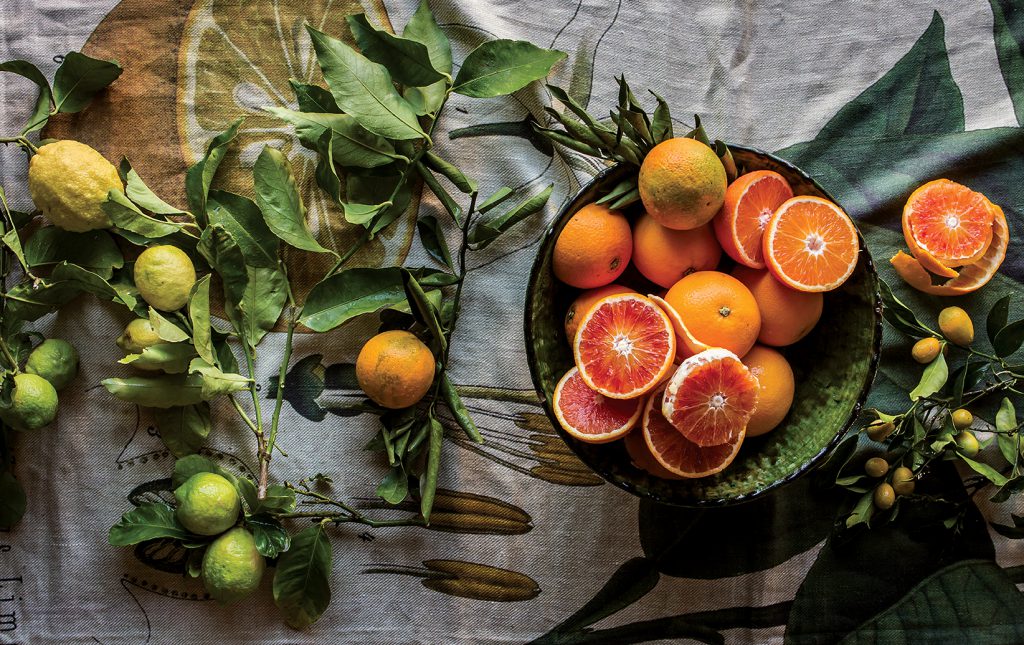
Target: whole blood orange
[589, 416]
[947, 223]
[775, 391]
[677, 454]
[682, 183]
[625, 346]
[582, 304]
[711, 397]
[594, 248]
[717, 310]
[811, 244]
[664, 255]
[750, 202]
[787, 315]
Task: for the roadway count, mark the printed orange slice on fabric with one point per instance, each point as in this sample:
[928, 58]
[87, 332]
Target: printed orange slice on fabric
[811, 244]
[686, 344]
[711, 397]
[640, 454]
[677, 454]
[750, 202]
[625, 345]
[947, 225]
[970, 278]
[589, 416]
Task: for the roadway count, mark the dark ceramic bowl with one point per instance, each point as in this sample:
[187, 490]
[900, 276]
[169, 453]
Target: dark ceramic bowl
[834, 366]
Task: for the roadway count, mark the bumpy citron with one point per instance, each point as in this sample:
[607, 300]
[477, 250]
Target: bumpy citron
[164, 276]
[682, 183]
[69, 182]
[956, 325]
[232, 566]
[208, 504]
[33, 403]
[664, 255]
[593, 249]
[395, 369]
[137, 336]
[787, 315]
[55, 360]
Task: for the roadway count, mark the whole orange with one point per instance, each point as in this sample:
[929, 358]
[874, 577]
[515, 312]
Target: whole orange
[395, 369]
[682, 183]
[594, 248]
[664, 255]
[717, 310]
[582, 304]
[787, 315]
[777, 385]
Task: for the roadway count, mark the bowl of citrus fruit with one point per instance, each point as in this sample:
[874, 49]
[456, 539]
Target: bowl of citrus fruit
[711, 341]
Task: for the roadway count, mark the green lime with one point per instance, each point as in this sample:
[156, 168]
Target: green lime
[208, 504]
[33, 403]
[55, 360]
[69, 182]
[232, 567]
[138, 335]
[164, 276]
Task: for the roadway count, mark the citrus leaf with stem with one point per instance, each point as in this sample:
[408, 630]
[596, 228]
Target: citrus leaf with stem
[184, 429]
[439, 191]
[900, 315]
[79, 78]
[496, 199]
[394, 488]
[263, 300]
[41, 111]
[225, 257]
[271, 537]
[126, 215]
[165, 329]
[354, 145]
[148, 521]
[500, 67]
[423, 28]
[242, 218]
[142, 195]
[313, 98]
[486, 231]
[458, 409]
[302, 588]
[216, 382]
[165, 391]
[350, 293]
[172, 358]
[278, 198]
[449, 170]
[428, 481]
[997, 318]
[424, 309]
[407, 60]
[199, 177]
[94, 250]
[661, 122]
[199, 315]
[95, 284]
[932, 379]
[432, 237]
[1009, 339]
[986, 471]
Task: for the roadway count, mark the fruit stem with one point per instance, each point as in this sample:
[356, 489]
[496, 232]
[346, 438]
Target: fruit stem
[261, 437]
[9, 357]
[21, 141]
[349, 514]
[282, 373]
[242, 414]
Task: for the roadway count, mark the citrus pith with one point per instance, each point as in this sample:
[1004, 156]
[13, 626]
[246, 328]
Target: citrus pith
[677, 454]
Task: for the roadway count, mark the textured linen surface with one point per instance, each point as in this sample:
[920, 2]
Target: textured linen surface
[772, 75]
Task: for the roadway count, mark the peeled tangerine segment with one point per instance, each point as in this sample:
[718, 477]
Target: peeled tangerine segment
[589, 416]
[711, 397]
[686, 344]
[677, 454]
[971, 277]
[947, 225]
[625, 346]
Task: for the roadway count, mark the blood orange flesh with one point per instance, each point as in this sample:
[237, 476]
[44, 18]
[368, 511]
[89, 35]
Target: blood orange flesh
[711, 397]
[750, 202]
[677, 454]
[625, 345]
[589, 416]
[950, 223]
[811, 244]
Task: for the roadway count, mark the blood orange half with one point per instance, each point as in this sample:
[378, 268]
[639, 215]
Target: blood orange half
[589, 416]
[677, 454]
[811, 244]
[641, 456]
[750, 202]
[711, 397]
[947, 224]
[624, 346]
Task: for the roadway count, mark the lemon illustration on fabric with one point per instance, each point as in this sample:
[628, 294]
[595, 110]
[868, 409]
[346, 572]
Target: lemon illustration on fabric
[236, 60]
[208, 504]
[232, 566]
[55, 360]
[33, 403]
[69, 182]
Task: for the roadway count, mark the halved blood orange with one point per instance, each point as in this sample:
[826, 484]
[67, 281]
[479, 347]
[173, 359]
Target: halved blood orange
[641, 456]
[625, 345]
[811, 244]
[711, 397]
[677, 454]
[970, 278]
[589, 416]
[750, 202]
[947, 225]
[686, 344]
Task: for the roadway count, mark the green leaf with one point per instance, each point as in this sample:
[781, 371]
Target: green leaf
[350, 293]
[263, 300]
[378, 190]
[147, 522]
[165, 329]
[423, 28]
[1006, 423]
[426, 311]
[26, 302]
[353, 144]
[499, 197]
[79, 78]
[899, 315]
[932, 379]
[661, 123]
[279, 499]
[486, 231]
[12, 241]
[271, 537]
[126, 216]
[166, 391]
[1006, 417]
[997, 317]
[364, 89]
[1008, 31]
[278, 197]
[12, 500]
[186, 467]
[458, 409]
[454, 175]
[199, 177]
[302, 588]
[363, 214]
[199, 315]
[172, 358]
[41, 112]
[241, 217]
[408, 61]
[95, 250]
[313, 98]
[220, 250]
[604, 133]
[988, 472]
[1009, 339]
[442, 195]
[499, 67]
[141, 195]
[428, 482]
[326, 174]
[619, 190]
[426, 100]
[394, 488]
[184, 429]
[95, 284]
[433, 240]
[214, 381]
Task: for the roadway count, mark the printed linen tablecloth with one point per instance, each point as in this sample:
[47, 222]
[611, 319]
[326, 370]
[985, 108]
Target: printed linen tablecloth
[872, 98]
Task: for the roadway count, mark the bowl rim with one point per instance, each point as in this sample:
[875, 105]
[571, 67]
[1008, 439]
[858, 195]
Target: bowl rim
[628, 486]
